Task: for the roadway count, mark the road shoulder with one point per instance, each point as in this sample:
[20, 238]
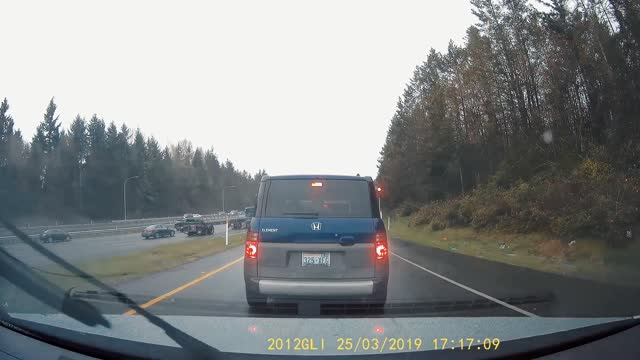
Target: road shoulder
[566, 296]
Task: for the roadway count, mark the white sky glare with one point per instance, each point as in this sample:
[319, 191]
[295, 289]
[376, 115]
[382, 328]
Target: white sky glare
[288, 86]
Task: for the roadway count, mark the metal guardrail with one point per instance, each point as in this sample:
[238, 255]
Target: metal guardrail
[12, 239]
[96, 225]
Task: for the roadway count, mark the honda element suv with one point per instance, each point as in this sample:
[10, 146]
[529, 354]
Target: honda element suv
[316, 237]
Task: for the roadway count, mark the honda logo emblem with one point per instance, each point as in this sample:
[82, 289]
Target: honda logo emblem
[316, 226]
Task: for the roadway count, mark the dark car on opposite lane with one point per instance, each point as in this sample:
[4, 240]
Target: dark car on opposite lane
[156, 231]
[316, 237]
[54, 235]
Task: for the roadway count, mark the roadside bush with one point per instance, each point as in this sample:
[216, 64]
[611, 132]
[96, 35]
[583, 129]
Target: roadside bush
[454, 215]
[436, 214]
[422, 217]
[595, 170]
[466, 210]
[437, 225]
[407, 208]
[483, 217]
[589, 200]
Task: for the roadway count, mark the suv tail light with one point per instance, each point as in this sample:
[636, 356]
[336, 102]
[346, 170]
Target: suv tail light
[381, 246]
[251, 245]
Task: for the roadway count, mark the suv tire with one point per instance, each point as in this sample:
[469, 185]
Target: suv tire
[379, 297]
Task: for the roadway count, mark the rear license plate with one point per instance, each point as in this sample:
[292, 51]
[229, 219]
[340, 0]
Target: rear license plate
[310, 259]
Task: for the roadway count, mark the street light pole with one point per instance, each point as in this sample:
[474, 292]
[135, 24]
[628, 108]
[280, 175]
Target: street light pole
[226, 226]
[124, 192]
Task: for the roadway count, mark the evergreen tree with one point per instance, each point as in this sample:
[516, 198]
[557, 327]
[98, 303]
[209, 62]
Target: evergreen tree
[47, 134]
[77, 175]
[6, 132]
[480, 110]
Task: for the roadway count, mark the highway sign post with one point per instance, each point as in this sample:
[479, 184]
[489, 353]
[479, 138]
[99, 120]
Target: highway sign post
[226, 223]
[226, 232]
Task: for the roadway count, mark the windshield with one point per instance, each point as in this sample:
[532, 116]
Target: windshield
[323, 198]
[346, 172]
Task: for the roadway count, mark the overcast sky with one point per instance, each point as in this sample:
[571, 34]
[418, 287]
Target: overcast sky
[289, 86]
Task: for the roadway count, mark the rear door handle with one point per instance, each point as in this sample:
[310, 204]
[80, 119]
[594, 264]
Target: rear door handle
[347, 240]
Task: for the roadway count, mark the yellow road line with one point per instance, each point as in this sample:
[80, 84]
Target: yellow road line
[190, 283]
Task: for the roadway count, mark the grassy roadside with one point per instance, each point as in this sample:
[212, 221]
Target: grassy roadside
[122, 268]
[586, 259]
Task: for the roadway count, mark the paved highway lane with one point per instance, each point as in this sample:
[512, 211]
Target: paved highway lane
[91, 248]
[223, 292]
[428, 281]
[543, 294]
[423, 282]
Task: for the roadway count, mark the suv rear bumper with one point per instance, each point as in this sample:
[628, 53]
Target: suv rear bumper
[315, 289]
[318, 288]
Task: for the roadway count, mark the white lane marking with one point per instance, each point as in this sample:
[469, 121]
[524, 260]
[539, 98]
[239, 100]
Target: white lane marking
[489, 297]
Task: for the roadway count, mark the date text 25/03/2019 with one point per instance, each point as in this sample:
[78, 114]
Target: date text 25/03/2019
[380, 344]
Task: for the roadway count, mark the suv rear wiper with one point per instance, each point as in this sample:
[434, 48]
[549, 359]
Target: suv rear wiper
[306, 214]
[23, 277]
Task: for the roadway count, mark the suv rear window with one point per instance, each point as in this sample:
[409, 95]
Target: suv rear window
[321, 198]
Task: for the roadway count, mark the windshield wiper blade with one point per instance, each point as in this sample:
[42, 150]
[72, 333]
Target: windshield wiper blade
[42, 289]
[34, 284]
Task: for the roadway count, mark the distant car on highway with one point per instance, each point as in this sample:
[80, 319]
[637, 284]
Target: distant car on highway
[54, 235]
[197, 227]
[236, 219]
[248, 213]
[156, 231]
[316, 237]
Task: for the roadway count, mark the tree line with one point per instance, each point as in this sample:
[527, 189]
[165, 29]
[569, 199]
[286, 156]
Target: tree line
[78, 173]
[533, 88]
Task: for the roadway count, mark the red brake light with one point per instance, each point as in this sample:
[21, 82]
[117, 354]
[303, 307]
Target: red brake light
[381, 246]
[251, 245]
[251, 249]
